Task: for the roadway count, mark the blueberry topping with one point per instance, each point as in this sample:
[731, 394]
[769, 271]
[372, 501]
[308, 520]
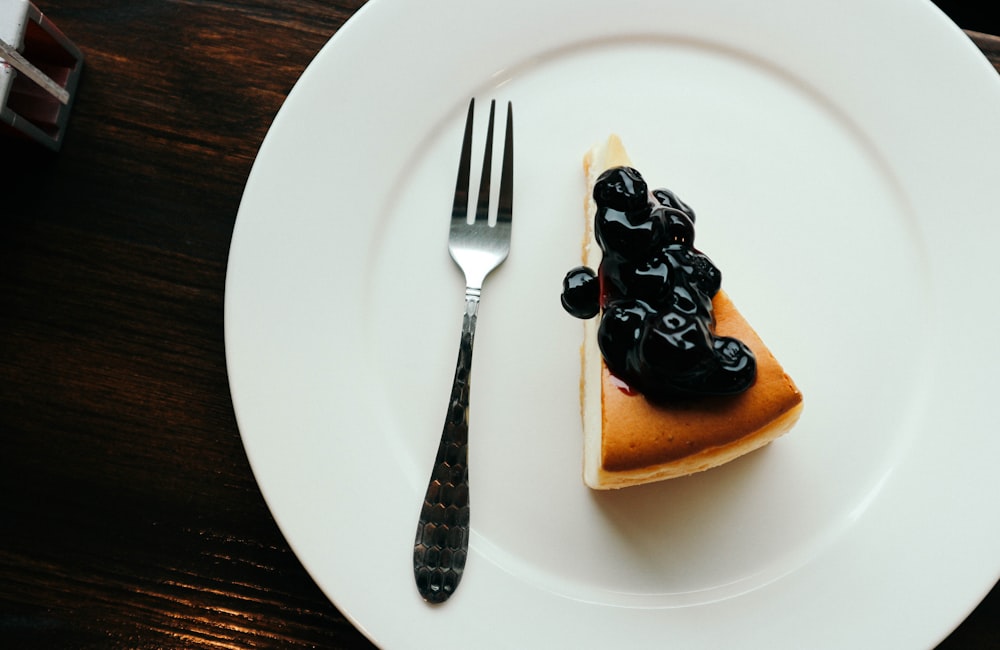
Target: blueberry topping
[581, 295]
[700, 272]
[630, 233]
[621, 189]
[619, 333]
[668, 199]
[657, 329]
[677, 227]
[674, 343]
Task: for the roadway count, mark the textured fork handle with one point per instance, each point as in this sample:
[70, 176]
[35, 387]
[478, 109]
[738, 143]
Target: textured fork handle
[442, 540]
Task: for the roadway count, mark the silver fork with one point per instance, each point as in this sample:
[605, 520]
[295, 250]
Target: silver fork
[442, 540]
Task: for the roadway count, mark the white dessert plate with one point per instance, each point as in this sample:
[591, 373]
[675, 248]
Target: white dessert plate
[837, 156]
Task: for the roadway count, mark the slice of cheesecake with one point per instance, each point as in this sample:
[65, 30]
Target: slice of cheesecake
[629, 440]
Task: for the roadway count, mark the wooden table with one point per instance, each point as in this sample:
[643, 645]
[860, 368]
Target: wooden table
[129, 515]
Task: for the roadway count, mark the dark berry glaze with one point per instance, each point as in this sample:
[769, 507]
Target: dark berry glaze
[654, 292]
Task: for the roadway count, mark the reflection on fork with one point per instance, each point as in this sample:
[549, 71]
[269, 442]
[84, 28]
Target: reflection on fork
[442, 540]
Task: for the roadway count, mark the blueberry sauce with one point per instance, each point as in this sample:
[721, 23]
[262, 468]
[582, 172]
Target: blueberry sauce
[654, 293]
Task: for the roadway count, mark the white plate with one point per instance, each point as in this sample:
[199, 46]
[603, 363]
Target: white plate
[838, 156]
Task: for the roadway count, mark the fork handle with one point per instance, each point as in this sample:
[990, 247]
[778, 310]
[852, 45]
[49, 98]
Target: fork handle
[442, 541]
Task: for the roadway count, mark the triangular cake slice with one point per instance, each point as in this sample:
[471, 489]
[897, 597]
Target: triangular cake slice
[627, 439]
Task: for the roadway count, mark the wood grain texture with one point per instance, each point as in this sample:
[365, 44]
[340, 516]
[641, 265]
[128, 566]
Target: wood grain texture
[129, 517]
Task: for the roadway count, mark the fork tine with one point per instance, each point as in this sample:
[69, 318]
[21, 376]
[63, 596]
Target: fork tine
[460, 208]
[483, 206]
[506, 202]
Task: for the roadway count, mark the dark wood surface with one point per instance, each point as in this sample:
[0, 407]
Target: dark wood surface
[129, 517]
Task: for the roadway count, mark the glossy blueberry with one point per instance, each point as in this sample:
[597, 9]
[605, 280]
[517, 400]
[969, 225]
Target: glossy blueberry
[668, 199]
[693, 265]
[649, 278]
[674, 343]
[626, 235]
[621, 327]
[581, 294]
[621, 189]
[676, 227]
[686, 300]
